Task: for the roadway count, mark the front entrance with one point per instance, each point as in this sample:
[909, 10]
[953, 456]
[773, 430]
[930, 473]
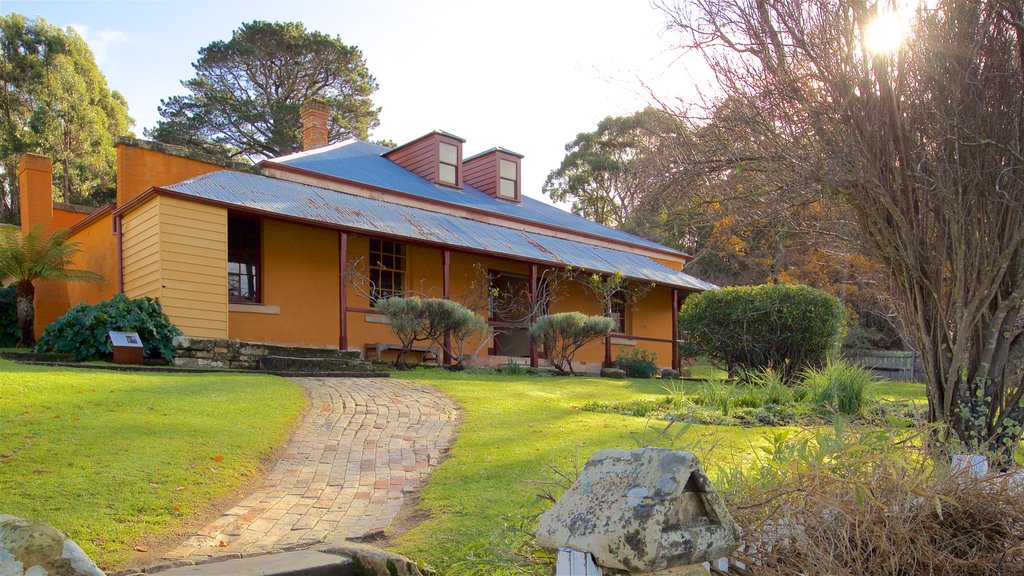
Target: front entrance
[510, 314]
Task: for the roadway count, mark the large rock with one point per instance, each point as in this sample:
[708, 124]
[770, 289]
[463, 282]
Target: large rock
[641, 511]
[31, 548]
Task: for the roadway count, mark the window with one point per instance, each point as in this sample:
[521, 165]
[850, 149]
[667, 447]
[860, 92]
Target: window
[244, 258]
[508, 178]
[448, 169]
[618, 312]
[387, 269]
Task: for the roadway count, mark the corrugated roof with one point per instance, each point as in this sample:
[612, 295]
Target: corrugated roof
[292, 199]
[362, 162]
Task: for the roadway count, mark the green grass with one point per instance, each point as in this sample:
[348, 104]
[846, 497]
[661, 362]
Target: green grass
[110, 456]
[514, 427]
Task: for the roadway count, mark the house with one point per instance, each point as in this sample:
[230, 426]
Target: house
[294, 250]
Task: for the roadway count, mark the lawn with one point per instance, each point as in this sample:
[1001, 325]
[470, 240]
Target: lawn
[515, 427]
[110, 456]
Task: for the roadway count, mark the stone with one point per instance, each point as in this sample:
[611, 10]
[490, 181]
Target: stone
[669, 373]
[651, 510]
[613, 373]
[376, 562]
[31, 548]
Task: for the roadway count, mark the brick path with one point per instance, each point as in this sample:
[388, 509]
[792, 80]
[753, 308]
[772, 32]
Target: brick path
[363, 444]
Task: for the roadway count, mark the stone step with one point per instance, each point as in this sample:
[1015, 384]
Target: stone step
[301, 563]
[310, 364]
[346, 374]
[299, 352]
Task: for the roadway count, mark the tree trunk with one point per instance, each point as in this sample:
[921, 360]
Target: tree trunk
[25, 294]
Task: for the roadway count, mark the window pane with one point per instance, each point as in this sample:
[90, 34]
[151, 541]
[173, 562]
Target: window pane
[508, 169]
[244, 245]
[446, 173]
[508, 188]
[449, 154]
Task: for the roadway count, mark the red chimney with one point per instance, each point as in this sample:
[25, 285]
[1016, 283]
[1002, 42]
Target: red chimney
[436, 156]
[497, 172]
[314, 115]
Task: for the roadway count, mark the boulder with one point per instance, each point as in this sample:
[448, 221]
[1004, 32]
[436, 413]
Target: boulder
[31, 548]
[642, 511]
[669, 373]
[613, 373]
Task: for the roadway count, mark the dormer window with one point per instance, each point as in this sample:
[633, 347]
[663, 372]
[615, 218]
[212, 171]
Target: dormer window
[509, 178]
[448, 167]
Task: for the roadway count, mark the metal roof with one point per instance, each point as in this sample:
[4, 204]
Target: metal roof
[366, 215]
[362, 162]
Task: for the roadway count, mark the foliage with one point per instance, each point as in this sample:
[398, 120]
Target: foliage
[83, 330]
[36, 255]
[769, 326]
[113, 458]
[560, 336]
[245, 98]
[838, 387]
[8, 318]
[869, 501]
[923, 144]
[56, 102]
[638, 363]
[417, 319]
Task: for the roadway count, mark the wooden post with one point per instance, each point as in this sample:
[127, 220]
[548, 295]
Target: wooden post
[342, 291]
[118, 228]
[446, 261]
[533, 314]
[608, 339]
[676, 364]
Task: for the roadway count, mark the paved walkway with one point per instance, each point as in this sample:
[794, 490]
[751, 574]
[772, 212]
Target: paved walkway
[363, 445]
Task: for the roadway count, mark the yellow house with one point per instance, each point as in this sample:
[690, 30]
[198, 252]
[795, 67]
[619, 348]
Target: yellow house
[295, 250]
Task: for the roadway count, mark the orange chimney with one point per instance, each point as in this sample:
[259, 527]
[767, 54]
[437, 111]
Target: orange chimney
[314, 115]
[497, 172]
[35, 183]
[436, 157]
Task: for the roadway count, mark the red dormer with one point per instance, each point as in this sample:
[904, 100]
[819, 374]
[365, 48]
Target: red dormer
[497, 172]
[436, 156]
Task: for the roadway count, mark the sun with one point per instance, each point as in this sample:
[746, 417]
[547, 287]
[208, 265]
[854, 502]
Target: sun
[885, 34]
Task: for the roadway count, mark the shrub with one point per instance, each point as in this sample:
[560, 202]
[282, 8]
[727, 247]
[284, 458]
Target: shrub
[747, 328]
[428, 320]
[838, 387]
[638, 363]
[82, 332]
[560, 336]
[8, 318]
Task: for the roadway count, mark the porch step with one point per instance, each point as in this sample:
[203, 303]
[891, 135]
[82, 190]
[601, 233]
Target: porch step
[309, 366]
[302, 563]
[299, 352]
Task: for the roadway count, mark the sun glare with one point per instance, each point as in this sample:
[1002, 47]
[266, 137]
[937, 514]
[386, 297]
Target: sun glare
[885, 34]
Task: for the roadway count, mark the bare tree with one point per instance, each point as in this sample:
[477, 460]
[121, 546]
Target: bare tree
[924, 143]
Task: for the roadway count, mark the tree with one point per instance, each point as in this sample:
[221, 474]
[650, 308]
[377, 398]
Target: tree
[560, 336]
[924, 144]
[36, 256]
[54, 100]
[245, 98]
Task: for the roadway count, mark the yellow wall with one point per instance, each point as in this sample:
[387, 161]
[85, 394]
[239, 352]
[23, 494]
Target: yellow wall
[176, 250]
[300, 289]
[139, 169]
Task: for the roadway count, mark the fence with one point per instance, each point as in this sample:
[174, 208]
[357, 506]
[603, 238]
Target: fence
[893, 365]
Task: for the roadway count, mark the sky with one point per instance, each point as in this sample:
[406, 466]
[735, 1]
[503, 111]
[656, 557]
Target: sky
[527, 75]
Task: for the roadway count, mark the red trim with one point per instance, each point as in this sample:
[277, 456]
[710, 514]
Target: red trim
[362, 310]
[120, 252]
[91, 218]
[399, 193]
[326, 226]
[676, 365]
[533, 313]
[446, 261]
[342, 292]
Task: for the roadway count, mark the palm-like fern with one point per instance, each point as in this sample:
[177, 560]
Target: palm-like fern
[37, 255]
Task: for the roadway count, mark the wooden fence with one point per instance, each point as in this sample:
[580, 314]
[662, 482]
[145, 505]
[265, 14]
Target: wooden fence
[894, 365]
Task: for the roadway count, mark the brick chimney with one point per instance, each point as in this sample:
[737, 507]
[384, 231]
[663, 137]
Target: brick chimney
[497, 172]
[314, 114]
[35, 191]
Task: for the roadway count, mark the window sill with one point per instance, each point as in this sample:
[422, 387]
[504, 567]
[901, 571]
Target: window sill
[376, 319]
[253, 308]
[622, 341]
